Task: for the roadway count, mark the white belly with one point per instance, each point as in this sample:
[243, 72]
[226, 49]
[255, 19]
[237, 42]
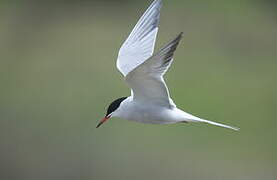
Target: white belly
[150, 114]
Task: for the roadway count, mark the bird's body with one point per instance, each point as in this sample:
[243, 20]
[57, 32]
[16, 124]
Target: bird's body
[150, 101]
[154, 114]
[147, 112]
[157, 114]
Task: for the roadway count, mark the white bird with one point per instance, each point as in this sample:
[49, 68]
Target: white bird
[150, 101]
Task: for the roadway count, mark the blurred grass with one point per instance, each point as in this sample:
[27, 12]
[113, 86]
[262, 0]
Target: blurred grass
[57, 74]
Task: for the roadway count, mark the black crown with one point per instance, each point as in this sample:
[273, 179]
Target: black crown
[114, 105]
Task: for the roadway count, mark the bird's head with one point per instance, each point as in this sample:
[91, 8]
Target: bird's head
[111, 110]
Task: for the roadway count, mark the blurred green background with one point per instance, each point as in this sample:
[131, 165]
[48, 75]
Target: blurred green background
[57, 75]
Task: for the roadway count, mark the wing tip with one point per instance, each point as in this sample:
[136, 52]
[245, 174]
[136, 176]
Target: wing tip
[180, 35]
[157, 2]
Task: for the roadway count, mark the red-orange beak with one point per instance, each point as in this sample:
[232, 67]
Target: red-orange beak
[102, 121]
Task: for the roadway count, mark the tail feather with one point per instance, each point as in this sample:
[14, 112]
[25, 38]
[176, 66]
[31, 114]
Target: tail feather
[219, 124]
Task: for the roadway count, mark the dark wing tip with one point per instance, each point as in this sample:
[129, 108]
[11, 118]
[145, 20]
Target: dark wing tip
[180, 36]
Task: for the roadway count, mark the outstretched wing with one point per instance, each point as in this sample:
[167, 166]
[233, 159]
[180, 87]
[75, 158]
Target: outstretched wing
[139, 46]
[147, 82]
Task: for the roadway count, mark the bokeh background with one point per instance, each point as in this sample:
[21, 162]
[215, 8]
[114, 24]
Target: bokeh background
[58, 75]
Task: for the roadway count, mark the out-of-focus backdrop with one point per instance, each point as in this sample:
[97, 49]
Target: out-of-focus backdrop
[57, 75]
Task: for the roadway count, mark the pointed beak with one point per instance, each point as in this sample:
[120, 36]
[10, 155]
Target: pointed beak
[102, 121]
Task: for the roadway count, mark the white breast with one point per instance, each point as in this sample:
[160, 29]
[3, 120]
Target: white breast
[148, 113]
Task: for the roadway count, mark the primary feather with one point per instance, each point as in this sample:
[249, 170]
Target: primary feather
[139, 46]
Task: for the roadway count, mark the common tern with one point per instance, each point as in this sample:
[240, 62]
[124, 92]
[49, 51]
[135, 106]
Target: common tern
[150, 101]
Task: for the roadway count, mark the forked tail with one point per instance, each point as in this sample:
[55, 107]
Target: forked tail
[218, 124]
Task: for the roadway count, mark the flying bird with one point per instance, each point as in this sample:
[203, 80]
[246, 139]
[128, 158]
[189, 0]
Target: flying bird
[150, 101]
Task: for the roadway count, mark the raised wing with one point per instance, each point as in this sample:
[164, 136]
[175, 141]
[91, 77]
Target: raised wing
[147, 82]
[139, 46]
